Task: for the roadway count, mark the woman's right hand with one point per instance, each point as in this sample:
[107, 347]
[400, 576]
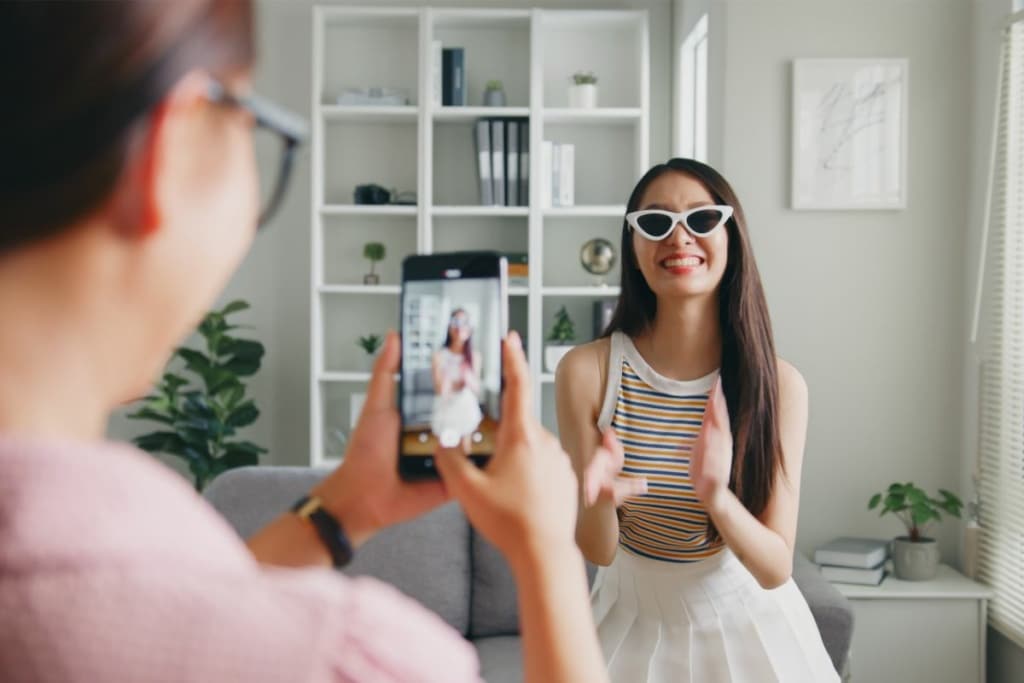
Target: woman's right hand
[602, 476]
[525, 500]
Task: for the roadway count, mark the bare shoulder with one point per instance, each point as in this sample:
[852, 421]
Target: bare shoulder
[792, 386]
[583, 370]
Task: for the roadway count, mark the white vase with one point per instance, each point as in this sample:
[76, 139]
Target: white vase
[583, 96]
[553, 356]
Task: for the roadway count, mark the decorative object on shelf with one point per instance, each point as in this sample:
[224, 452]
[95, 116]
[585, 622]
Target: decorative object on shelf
[849, 133]
[583, 91]
[915, 557]
[563, 332]
[373, 252]
[494, 94]
[597, 256]
[371, 193]
[202, 413]
[373, 97]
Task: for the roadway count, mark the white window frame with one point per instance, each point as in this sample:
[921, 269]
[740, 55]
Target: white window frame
[692, 93]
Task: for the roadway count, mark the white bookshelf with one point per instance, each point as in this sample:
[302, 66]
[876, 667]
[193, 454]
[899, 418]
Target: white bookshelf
[429, 149]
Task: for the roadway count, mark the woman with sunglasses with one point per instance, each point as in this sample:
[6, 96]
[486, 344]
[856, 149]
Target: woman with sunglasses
[687, 436]
[128, 196]
[456, 368]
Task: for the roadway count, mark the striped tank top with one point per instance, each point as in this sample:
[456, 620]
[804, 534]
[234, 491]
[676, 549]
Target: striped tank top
[657, 420]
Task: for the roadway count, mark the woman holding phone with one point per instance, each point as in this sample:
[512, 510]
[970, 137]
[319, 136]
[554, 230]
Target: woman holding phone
[128, 197]
[456, 369]
[687, 435]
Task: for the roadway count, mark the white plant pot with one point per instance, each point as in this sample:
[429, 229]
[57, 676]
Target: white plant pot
[553, 356]
[583, 96]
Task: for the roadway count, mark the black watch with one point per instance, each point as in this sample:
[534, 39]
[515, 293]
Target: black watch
[311, 509]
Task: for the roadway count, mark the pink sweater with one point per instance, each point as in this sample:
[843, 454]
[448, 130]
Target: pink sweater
[113, 569]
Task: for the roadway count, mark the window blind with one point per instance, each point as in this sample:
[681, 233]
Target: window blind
[1001, 442]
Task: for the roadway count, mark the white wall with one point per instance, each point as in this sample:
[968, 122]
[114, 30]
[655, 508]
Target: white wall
[868, 305]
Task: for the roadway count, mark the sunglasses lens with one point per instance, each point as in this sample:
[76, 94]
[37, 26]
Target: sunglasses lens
[704, 221]
[655, 224]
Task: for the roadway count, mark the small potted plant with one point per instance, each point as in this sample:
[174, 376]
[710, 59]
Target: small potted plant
[583, 91]
[373, 252]
[915, 556]
[371, 344]
[494, 94]
[562, 334]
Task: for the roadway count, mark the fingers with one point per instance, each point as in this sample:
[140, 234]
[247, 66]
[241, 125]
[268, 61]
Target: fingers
[461, 477]
[381, 393]
[516, 404]
[717, 411]
[627, 487]
[611, 442]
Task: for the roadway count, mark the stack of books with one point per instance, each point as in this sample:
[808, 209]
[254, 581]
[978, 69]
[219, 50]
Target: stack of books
[853, 560]
[557, 174]
[503, 161]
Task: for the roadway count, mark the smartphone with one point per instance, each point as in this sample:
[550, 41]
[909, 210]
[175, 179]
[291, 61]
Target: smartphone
[454, 314]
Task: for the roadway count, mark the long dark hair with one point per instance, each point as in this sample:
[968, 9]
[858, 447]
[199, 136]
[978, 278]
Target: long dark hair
[467, 346]
[83, 78]
[749, 369]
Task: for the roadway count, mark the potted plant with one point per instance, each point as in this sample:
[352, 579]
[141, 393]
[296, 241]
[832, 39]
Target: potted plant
[202, 413]
[373, 252]
[494, 94]
[915, 556]
[370, 343]
[583, 91]
[562, 334]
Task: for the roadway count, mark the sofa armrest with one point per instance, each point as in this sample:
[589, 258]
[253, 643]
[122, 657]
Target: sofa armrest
[831, 610]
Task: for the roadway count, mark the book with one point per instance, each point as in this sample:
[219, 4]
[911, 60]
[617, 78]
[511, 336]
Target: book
[482, 135]
[511, 163]
[518, 268]
[865, 577]
[453, 77]
[498, 161]
[524, 162]
[566, 174]
[556, 174]
[547, 153]
[861, 553]
[436, 71]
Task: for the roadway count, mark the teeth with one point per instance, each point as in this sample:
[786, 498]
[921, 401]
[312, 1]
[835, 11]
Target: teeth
[687, 262]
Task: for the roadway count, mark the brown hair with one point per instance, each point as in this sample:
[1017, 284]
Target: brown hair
[85, 77]
[749, 369]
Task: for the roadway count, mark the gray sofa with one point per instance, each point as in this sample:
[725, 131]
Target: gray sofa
[445, 565]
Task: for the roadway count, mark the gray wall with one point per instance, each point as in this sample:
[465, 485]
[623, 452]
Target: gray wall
[868, 305]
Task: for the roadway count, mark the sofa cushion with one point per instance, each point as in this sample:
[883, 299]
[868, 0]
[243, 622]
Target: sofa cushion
[501, 659]
[427, 558]
[831, 610]
[494, 610]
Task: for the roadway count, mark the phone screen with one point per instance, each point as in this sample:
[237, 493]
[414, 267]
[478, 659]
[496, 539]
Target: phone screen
[454, 316]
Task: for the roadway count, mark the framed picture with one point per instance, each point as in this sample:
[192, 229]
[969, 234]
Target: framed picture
[850, 133]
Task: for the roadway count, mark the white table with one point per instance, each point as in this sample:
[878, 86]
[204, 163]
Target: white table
[927, 631]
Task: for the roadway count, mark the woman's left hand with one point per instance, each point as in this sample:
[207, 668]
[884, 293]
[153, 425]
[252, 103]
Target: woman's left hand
[711, 460]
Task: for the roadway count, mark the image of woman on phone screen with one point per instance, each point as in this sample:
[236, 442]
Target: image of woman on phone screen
[456, 369]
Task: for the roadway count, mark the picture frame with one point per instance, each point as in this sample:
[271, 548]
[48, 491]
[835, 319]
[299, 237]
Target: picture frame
[849, 134]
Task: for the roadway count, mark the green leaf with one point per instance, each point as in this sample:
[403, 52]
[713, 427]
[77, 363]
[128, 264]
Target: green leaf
[173, 382]
[230, 396]
[245, 349]
[895, 502]
[234, 307]
[161, 442]
[875, 500]
[922, 513]
[243, 368]
[234, 458]
[149, 413]
[244, 415]
[196, 361]
[246, 446]
[196, 406]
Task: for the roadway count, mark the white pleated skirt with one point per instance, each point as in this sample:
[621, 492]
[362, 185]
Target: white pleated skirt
[705, 622]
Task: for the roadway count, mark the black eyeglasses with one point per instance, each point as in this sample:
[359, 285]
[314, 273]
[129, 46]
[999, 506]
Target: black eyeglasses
[290, 128]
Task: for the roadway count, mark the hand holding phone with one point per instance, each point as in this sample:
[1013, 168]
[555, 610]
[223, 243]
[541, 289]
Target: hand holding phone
[365, 492]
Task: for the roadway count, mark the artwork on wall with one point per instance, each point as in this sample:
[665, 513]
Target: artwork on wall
[849, 133]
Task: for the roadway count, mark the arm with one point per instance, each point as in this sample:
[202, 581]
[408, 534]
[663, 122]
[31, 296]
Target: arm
[524, 502]
[472, 375]
[579, 381]
[364, 493]
[765, 546]
[440, 385]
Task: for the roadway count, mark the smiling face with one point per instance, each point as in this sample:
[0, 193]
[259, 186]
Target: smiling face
[459, 329]
[681, 265]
